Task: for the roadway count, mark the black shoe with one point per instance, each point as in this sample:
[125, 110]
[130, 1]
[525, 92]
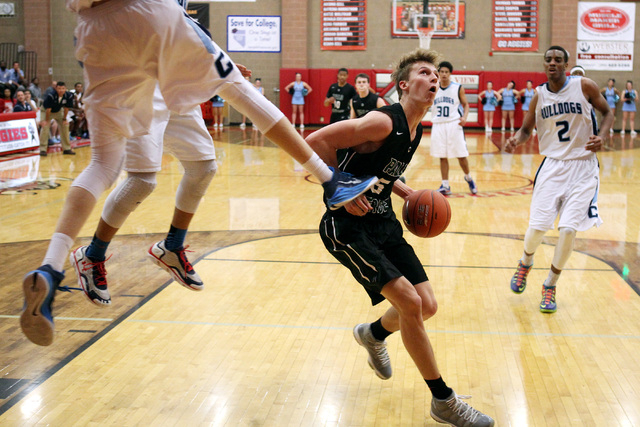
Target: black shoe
[43, 154]
[70, 152]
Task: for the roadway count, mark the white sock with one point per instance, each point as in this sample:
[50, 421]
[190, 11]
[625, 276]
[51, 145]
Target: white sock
[318, 168]
[58, 250]
[467, 177]
[445, 182]
[551, 280]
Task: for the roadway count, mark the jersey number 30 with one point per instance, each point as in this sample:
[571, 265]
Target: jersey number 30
[443, 111]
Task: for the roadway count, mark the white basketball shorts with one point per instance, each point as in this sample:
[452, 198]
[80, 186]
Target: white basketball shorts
[126, 46]
[183, 135]
[568, 188]
[447, 140]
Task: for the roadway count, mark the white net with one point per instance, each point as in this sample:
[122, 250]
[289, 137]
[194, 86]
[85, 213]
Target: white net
[424, 34]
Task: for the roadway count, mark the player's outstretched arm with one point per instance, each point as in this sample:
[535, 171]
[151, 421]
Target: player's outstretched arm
[366, 134]
[524, 133]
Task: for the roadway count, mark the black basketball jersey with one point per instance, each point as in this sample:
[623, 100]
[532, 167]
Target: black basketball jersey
[342, 95]
[362, 106]
[388, 162]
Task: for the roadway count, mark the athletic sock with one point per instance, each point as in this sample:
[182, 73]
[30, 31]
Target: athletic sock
[467, 177]
[445, 182]
[439, 388]
[58, 250]
[551, 280]
[318, 168]
[378, 331]
[175, 238]
[97, 249]
[527, 259]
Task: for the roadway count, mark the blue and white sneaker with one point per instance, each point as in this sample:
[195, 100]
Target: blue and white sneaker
[472, 186]
[39, 287]
[345, 187]
[445, 191]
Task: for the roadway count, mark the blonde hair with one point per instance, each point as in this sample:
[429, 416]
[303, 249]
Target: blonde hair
[404, 65]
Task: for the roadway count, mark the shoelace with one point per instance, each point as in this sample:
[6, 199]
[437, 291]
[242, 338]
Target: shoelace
[548, 295]
[522, 271]
[100, 276]
[183, 259]
[463, 409]
[381, 351]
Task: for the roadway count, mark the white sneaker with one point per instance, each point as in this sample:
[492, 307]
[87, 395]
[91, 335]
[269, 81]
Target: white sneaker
[378, 356]
[215, 126]
[611, 130]
[455, 412]
[176, 264]
[621, 132]
[502, 129]
[92, 277]
[301, 126]
[633, 133]
[512, 130]
[242, 125]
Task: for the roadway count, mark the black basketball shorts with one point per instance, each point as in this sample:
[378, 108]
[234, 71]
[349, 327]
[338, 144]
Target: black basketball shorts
[373, 249]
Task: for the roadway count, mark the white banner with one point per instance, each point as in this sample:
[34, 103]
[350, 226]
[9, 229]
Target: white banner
[606, 21]
[607, 56]
[254, 33]
[18, 134]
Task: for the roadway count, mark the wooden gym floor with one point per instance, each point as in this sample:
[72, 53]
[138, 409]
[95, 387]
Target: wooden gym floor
[269, 343]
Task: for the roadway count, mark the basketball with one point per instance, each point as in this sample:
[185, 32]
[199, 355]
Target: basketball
[426, 213]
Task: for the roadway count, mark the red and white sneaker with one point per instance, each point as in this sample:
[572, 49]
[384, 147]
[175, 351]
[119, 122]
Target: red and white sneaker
[176, 264]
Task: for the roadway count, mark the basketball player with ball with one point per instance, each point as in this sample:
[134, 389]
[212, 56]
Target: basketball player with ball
[365, 236]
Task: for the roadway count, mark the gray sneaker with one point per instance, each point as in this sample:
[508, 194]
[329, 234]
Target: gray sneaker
[378, 356]
[455, 412]
[176, 264]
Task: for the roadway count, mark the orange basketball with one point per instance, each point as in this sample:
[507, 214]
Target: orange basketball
[426, 213]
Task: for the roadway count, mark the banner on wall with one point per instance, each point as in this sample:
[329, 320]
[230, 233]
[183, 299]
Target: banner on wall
[343, 25]
[18, 134]
[254, 33]
[514, 25]
[606, 36]
[606, 21]
[199, 13]
[449, 16]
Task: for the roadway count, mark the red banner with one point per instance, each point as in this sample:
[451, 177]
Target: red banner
[515, 25]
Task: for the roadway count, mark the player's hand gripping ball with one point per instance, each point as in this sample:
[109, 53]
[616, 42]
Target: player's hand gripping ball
[426, 213]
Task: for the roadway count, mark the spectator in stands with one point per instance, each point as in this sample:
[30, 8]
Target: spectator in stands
[78, 126]
[50, 90]
[56, 107]
[16, 75]
[21, 104]
[6, 103]
[36, 93]
[4, 74]
[34, 106]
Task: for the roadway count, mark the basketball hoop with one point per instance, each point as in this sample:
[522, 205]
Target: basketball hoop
[424, 34]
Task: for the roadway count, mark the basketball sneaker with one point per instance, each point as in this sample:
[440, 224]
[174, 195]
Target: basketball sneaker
[344, 187]
[378, 356]
[548, 303]
[176, 264]
[472, 186]
[445, 191]
[455, 412]
[519, 279]
[92, 277]
[36, 320]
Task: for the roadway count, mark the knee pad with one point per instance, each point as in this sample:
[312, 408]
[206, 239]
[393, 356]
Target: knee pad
[126, 197]
[194, 183]
[244, 98]
[103, 169]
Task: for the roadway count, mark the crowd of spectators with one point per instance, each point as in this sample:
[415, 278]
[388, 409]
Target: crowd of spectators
[17, 94]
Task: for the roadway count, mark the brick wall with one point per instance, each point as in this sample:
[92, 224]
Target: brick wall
[37, 37]
[294, 33]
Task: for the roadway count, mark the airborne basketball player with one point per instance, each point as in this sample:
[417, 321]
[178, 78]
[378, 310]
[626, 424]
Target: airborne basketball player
[567, 181]
[366, 237]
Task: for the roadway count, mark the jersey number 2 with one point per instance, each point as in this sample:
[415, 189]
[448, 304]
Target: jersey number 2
[563, 131]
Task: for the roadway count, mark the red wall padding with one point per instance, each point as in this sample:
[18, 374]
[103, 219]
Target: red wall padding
[321, 78]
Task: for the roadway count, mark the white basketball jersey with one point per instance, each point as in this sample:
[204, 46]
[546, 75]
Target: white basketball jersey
[565, 121]
[446, 106]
